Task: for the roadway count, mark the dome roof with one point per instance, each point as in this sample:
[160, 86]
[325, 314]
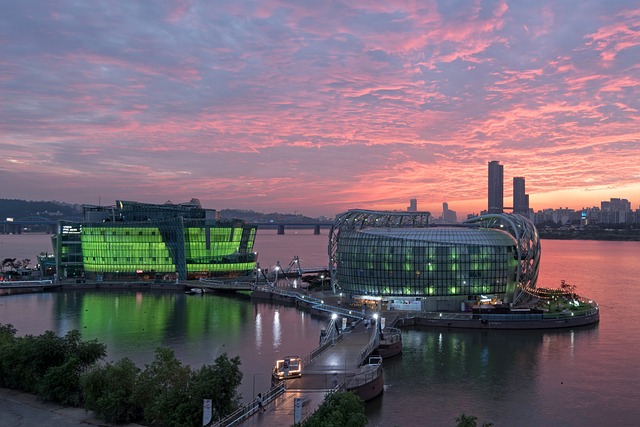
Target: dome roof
[447, 235]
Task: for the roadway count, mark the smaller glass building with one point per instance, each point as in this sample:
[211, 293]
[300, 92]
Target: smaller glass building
[400, 256]
[145, 241]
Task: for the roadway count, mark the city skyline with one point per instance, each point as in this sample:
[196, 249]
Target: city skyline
[275, 106]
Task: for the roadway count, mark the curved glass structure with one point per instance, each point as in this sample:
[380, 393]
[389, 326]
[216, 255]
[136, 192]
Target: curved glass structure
[136, 240]
[398, 254]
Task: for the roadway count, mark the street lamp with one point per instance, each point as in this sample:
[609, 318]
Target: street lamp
[322, 283]
[277, 268]
[254, 385]
[257, 273]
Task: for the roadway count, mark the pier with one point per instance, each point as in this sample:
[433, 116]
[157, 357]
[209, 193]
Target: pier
[27, 286]
[341, 362]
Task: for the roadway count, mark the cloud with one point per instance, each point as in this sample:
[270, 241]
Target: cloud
[279, 105]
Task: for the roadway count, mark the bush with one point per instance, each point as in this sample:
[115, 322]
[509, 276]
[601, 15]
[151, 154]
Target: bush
[339, 409]
[46, 365]
[109, 392]
[165, 393]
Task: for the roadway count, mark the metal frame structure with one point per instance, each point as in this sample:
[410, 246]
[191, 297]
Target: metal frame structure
[359, 219]
[529, 251]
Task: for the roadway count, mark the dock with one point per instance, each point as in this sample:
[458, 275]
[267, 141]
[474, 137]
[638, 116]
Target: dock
[339, 363]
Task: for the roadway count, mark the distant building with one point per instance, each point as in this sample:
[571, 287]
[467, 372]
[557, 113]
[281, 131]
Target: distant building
[133, 240]
[413, 205]
[496, 187]
[616, 211]
[447, 214]
[520, 199]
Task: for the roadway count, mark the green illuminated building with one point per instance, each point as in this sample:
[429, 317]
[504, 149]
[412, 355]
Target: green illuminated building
[134, 240]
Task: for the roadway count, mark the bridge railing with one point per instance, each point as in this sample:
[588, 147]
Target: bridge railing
[25, 283]
[241, 414]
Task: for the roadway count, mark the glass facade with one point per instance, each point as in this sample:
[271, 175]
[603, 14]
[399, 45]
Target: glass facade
[144, 241]
[432, 261]
[400, 256]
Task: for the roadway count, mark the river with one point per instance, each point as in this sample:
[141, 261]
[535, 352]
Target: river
[582, 376]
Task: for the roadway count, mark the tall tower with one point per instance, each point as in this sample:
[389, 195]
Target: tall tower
[520, 199]
[496, 187]
[413, 205]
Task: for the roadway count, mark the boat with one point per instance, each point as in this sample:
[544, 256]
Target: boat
[289, 367]
[194, 291]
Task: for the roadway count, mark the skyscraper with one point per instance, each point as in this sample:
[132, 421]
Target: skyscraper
[447, 214]
[413, 205]
[520, 199]
[496, 187]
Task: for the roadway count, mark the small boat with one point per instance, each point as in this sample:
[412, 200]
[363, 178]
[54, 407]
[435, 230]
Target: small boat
[289, 367]
[194, 291]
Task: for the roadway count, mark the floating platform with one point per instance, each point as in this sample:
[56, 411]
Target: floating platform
[502, 321]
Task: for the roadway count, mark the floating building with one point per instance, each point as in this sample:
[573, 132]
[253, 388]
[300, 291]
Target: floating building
[133, 240]
[402, 258]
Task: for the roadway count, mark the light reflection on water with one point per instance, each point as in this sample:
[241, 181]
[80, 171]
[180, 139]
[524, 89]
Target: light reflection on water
[197, 328]
[585, 376]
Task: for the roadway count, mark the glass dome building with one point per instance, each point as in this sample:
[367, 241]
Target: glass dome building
[401, 257]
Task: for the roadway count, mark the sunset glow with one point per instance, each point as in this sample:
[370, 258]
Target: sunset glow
[319, 107]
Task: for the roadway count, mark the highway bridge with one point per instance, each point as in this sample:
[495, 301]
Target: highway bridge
[281, 226]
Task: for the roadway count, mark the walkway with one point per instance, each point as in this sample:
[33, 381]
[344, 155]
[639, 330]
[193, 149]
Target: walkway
[327, 371]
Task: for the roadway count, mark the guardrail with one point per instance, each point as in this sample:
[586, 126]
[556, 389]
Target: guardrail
[249, 409]
[316, 303]
[26, 282]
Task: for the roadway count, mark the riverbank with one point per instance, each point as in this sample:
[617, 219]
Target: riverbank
[620, 235]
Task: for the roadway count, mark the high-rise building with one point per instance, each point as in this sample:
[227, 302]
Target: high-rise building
[615, 211]
[447, 214]
[496, 187]
[413, 205]
[520, 199]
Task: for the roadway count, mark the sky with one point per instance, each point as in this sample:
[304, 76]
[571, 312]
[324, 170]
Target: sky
[316, 107]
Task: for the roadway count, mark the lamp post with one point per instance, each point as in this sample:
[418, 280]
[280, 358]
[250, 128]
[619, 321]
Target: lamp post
[277, 268]
[254, 385]
[322, 283]
[257, 273]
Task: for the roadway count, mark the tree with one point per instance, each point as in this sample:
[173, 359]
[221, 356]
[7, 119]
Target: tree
[47, 365]
[61, 382]
[469, 421]
[109, 392]
[339, 409]
[8, 262]
[162, 388]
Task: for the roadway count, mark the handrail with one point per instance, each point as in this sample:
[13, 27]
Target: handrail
[315, 303]
[18, 283]
[250, 408]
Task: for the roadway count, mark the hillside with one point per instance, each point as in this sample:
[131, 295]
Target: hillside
[17, 209]
[12, 208]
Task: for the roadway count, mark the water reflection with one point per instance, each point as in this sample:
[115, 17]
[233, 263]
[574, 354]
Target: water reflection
[476, 372]
[197, 328]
